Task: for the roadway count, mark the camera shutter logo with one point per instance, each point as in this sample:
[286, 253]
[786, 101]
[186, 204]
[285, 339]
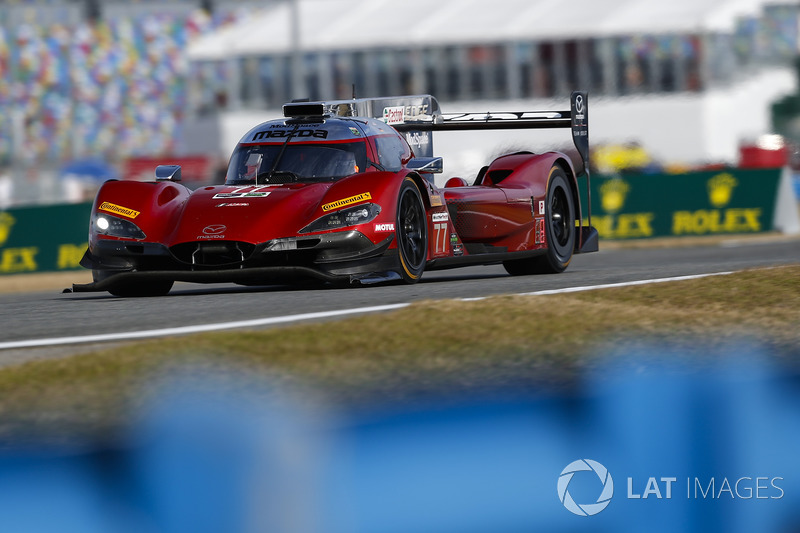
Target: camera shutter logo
[585, 509]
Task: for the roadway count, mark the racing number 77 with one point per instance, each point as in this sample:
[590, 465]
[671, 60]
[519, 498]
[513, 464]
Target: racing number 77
[441, 230]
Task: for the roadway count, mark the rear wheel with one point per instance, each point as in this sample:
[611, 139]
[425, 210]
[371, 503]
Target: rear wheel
[412, 231]
[559, 231]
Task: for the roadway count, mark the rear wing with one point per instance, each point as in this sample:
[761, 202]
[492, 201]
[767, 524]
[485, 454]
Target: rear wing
[576, 118]
[421, 114]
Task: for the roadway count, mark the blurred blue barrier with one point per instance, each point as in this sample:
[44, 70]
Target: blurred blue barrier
[707, 447]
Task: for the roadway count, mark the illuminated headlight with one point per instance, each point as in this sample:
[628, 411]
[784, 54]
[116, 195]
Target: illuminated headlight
[352, 216]
[116, 227]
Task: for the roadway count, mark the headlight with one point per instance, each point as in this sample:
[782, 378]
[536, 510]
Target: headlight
[352, 216]
[112, 226]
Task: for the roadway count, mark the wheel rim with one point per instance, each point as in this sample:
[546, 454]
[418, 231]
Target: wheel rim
[412, 229]
[560, 217]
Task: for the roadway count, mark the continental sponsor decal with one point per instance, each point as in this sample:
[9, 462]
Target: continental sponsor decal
[119, 210]
[347, 201]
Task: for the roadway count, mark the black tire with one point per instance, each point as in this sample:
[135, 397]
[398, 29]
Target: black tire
[133, 289]
[412, 232]
[559, 231]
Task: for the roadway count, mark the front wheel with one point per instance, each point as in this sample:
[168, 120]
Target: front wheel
[559, 231]
[131, 289]
[412, 232]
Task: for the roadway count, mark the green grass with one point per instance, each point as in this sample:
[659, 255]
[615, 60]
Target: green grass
[429, 348]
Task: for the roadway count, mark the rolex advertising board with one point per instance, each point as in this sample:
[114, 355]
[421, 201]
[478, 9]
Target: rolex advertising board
[54, 238]
[43, 239]
[700, 203]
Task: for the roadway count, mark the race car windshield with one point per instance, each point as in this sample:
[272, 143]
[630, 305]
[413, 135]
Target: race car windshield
[303, 162]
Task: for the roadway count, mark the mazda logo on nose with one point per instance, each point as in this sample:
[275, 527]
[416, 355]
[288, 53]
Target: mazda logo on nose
[214, 229]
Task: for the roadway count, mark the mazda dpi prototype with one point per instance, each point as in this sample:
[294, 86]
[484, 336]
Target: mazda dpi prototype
[334, 192]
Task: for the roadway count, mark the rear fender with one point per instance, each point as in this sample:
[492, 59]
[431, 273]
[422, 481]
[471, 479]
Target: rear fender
[532, 171]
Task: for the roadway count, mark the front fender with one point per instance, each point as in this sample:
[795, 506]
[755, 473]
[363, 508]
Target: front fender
[154, 207]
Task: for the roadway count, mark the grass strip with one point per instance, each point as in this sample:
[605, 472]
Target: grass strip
[429, 348]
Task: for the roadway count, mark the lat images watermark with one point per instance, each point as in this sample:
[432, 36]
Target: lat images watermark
[662, 487]
[585, 509]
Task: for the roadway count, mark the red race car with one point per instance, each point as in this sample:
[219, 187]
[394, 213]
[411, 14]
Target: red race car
[334, 192]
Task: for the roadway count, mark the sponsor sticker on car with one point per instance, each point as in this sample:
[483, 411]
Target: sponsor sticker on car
[394, 115]
[440, 217]
[119, 210]
[384, 227]
[540, 237]
[214, 231]
[347, 201]
[246, 191]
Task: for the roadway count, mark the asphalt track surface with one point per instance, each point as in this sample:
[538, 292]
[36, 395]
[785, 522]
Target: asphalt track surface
[41, 315]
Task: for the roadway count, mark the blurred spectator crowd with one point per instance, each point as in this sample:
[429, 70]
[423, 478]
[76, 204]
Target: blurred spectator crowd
[109, 87]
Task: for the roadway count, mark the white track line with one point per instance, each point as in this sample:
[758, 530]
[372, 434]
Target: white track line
[625, 284]
[200, 328]
[260, 322]
[596, 287]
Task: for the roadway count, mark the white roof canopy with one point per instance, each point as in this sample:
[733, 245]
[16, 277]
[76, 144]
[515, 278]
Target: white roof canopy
[362, 24]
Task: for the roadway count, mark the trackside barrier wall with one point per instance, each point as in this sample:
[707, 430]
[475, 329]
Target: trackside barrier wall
[44, 238]
[730, 201]
[53, 238]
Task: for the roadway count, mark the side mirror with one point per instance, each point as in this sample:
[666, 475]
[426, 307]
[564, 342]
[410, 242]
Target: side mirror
[433, 165]
[168, 173]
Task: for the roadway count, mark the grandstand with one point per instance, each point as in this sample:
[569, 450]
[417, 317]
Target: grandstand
[113, 80]
[506, 49]
[689, 79]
